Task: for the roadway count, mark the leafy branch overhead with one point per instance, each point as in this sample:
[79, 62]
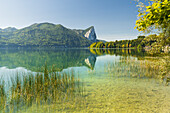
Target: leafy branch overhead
[154, 16]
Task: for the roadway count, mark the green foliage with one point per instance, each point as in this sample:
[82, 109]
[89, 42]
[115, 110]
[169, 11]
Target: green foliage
[119, 44]
[139, 46]
[93, 45]
[44, 34]
[156, 15]
[151, 41]
[123, 46]
[141, 37]
[100, 45]
[110, 45]
[9, 29]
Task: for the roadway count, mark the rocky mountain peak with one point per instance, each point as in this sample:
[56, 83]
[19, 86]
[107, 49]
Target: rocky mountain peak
[90, 34]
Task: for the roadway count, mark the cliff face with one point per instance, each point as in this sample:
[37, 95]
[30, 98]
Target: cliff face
[90, 34]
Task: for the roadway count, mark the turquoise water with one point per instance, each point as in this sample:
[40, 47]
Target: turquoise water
[113, 80]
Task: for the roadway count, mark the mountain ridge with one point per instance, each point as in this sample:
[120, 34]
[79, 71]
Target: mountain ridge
[8, 29]
[47, 34]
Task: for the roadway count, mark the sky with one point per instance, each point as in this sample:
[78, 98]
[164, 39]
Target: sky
[112, 19]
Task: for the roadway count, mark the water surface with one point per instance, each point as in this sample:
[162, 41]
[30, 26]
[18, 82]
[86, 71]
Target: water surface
[114, 80]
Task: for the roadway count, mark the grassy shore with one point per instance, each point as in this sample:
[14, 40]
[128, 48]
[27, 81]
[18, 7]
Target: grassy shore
[46, 88]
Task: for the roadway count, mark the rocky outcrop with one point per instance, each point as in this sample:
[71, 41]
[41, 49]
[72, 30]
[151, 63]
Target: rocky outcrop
[90, 34]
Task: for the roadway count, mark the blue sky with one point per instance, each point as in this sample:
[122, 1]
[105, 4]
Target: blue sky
[112, 19]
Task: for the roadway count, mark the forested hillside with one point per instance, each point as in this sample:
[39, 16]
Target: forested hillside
[44, 34]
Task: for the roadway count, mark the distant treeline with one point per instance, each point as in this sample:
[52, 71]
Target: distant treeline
[140, 42]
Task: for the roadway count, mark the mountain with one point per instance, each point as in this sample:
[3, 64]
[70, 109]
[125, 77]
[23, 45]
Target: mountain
[47, 34]
[9, 29]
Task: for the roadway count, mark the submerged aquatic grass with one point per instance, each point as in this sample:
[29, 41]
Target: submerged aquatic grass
[43, 88]
[2, 94]
[157, 68]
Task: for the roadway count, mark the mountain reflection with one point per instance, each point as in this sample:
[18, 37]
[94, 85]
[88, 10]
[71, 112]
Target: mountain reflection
[90, 61]
[34, 59]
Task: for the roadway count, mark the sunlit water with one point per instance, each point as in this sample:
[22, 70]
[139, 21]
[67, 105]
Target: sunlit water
[108, 88]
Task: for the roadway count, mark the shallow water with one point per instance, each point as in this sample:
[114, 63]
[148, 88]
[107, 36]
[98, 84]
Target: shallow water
[109, 85]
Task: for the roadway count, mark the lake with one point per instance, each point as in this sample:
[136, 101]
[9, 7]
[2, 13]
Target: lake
[110, 80]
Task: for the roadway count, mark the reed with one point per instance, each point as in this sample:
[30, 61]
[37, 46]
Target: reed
[48, 87]
[151, 68]
[2, 95]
